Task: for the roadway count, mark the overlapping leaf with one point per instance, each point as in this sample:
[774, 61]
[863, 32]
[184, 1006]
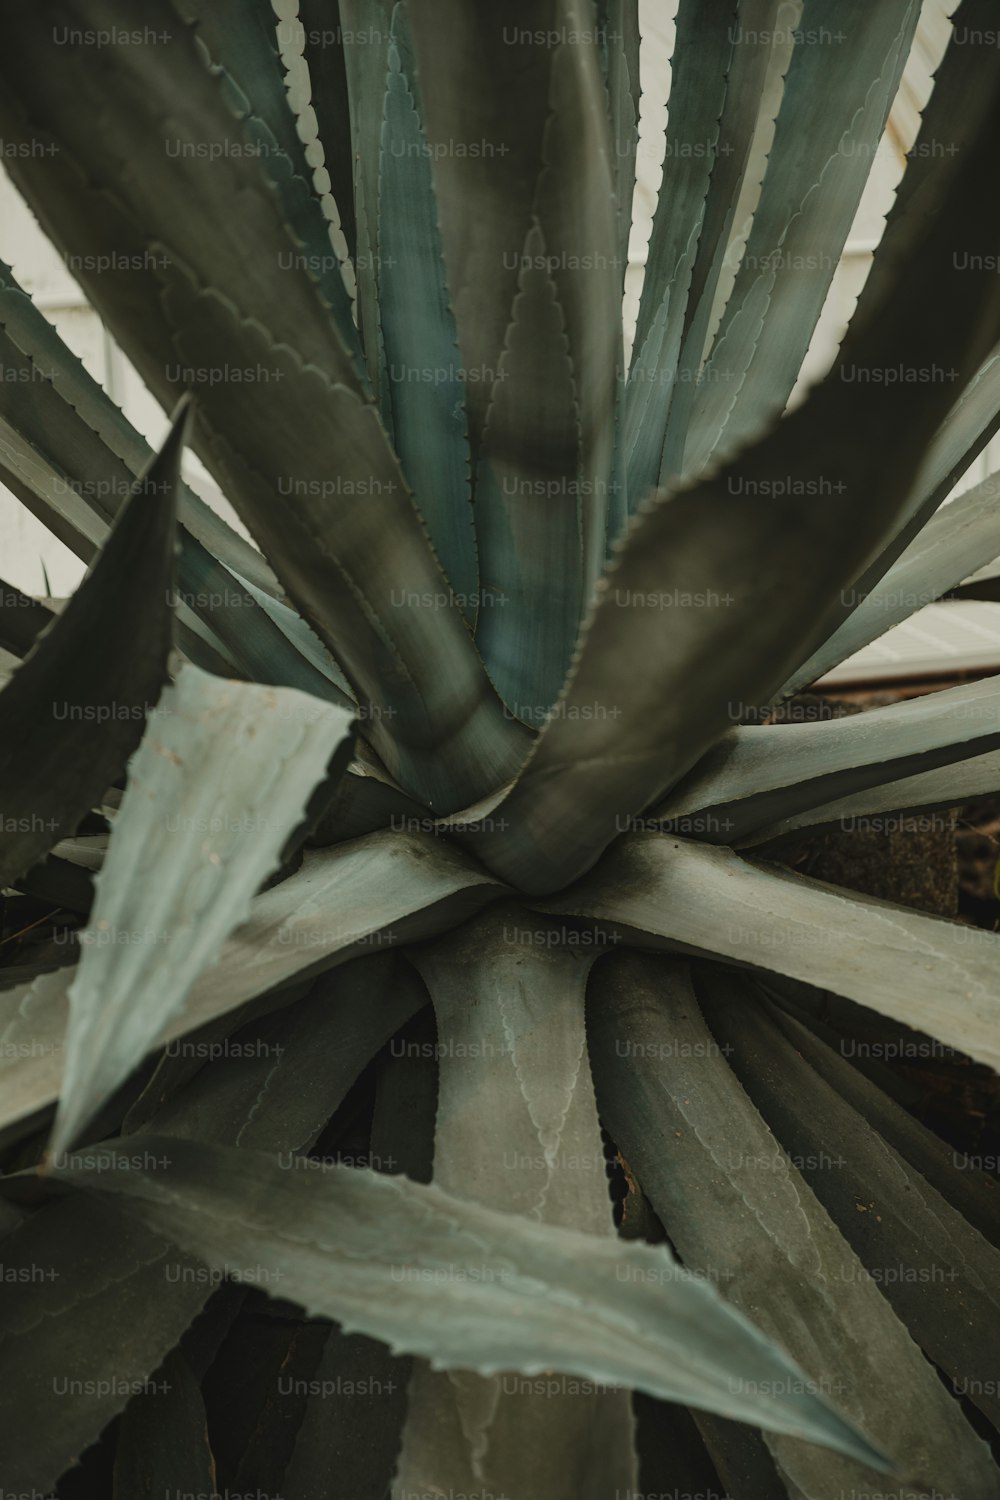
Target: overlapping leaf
[520, 1295]
[741, 1214]
[387, 889]
[73, 711]
[929, 973]
[217, 787]
[720, 587]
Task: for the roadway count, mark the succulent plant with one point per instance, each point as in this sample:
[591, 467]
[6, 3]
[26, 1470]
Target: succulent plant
[444, 826]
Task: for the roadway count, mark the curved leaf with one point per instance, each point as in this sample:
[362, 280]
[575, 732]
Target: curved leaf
[471, 1288]
[282, 408]
[744, 565]
[73, 712]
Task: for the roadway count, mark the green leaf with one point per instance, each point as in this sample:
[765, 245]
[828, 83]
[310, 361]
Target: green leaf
[934, 975]
[73, 712]
[356, 561]
[241, 40]
[385, 890]
[325, 54]
[952, 786]
[722, 586]
[703, 52]
[845, 68]
[281, 409]
[519, 1295]
[937, 1272]
[975, 1194]
[960, 538]
[90, 1303]
[366, 26]
[217, 787]
[737, 168]
[58, 408]
[516, 116]
[162, 1440]
[22, 620]
[276, 1090]
[426, 389]
[765, 774]
[73, 458]
[618, 28]
[517, 1131]
[742, 1215]
[528, 505]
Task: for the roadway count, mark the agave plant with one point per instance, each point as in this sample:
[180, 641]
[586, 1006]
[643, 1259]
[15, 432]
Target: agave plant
[444, 826]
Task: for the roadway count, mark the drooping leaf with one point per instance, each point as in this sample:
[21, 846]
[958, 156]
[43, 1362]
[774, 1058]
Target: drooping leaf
[932, 974]
[387, 889]
[74, 710]
[220, 782]
[727, 582]
[937, 1272]
[517, 1131]
[765, 774]
[741, 1214]
[515, 1289]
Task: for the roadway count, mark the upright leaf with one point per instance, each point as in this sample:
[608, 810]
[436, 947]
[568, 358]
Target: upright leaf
[282, 406]
[218, 785]
[74, 710]
[426, 388]
[846, 65]
[744, 565]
